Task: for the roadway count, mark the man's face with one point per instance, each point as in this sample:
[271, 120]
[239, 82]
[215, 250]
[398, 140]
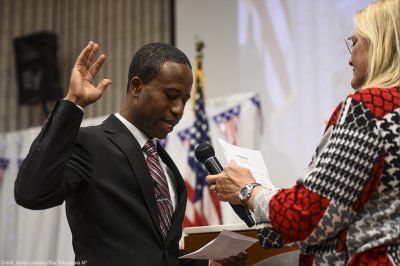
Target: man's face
[359, 61]
[159, 104]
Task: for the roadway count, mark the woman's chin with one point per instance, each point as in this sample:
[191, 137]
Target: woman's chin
[356, 84]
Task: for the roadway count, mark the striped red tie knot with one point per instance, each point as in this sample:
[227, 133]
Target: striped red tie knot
[150, 148]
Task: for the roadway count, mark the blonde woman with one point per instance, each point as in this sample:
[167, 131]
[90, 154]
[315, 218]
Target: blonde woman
[346, 209]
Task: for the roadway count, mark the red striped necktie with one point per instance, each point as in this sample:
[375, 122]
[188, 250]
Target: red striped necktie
[163, 197]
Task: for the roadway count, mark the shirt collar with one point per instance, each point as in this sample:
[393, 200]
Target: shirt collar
[140, 137]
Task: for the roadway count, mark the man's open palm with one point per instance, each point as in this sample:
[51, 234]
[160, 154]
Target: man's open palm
[81, 90]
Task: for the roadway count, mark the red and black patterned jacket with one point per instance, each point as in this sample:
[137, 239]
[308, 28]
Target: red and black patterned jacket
[346, 209]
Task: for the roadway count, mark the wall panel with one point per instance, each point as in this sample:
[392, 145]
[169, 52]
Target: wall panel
[119, 26]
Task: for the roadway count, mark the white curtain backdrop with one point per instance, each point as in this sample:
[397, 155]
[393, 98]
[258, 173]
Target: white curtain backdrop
[291, 52]
[43, 237]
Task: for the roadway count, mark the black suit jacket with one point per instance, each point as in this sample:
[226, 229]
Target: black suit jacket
[102, 175]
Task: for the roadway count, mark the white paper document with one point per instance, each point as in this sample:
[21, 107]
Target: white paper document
[251, 159]
[225, 245]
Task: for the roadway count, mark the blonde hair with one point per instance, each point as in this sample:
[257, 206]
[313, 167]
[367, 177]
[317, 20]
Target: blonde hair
[379, 23]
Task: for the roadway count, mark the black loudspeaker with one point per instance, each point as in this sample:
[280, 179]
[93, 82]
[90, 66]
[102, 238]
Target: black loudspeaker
[37, 69]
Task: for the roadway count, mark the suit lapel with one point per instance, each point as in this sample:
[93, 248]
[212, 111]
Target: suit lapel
[126, 142]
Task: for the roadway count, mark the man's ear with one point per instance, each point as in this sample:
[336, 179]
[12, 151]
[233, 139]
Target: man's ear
[135, 86]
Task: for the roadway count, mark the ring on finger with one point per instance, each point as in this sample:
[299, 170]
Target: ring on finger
[212, 188]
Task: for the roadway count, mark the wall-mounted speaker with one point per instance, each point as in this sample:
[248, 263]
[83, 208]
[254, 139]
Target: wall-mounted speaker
[37, 69]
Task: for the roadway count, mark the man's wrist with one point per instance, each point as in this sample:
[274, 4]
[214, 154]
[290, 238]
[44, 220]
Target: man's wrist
[77, 105]
[75, 100]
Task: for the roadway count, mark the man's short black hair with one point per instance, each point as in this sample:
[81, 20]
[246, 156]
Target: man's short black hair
[147, 61]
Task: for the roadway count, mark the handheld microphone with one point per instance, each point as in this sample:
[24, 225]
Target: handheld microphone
[205, 154]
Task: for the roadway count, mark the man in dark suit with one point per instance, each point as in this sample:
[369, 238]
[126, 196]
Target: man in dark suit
[113, 201]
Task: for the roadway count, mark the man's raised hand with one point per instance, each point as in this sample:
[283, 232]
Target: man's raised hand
[81, 90]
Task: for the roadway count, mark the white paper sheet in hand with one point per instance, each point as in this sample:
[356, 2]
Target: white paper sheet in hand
[225, 245]
[251, 159]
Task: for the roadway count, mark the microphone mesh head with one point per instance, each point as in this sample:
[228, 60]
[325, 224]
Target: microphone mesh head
[204, 151]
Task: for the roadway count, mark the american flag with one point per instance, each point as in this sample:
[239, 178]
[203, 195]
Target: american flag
[203, 207]
[228, 123]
